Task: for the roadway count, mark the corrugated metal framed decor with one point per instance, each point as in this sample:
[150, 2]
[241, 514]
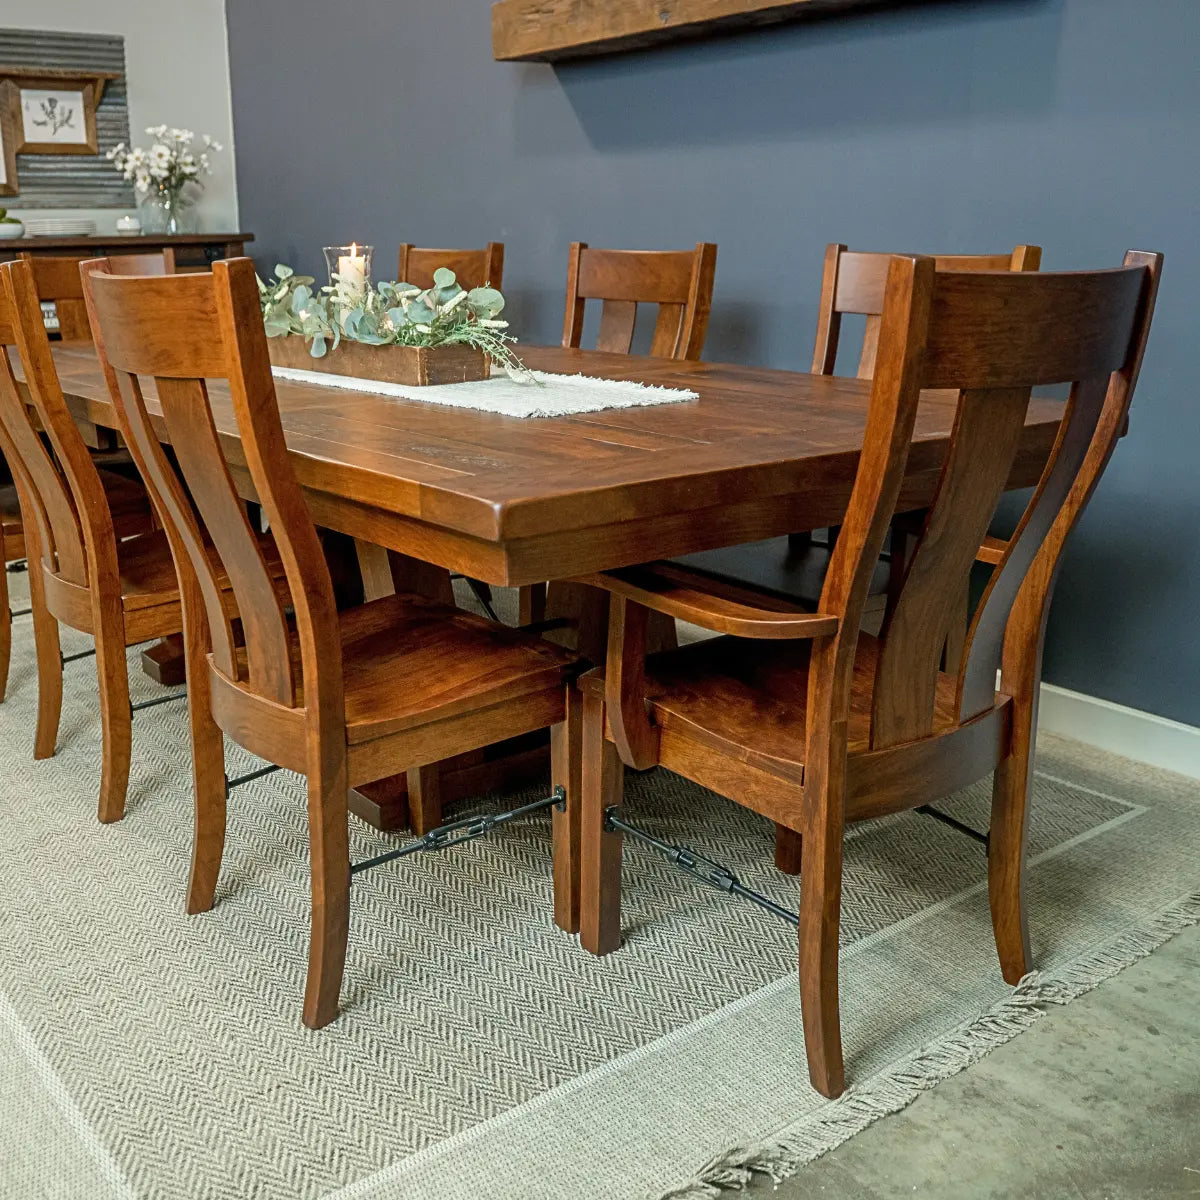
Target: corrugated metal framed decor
[62, 107]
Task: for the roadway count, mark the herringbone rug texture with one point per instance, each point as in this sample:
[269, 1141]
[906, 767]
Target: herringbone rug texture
[165, 1052]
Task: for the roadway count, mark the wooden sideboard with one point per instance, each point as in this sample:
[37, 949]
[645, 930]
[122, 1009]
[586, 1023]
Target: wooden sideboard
[190, 251]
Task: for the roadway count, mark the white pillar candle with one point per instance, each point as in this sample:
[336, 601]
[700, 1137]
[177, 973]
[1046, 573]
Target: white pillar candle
[352, 270]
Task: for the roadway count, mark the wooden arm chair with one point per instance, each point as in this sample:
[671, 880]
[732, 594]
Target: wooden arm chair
[812, 723]
[346, 697]
[97, 562]
[853, 283]
[474, 268]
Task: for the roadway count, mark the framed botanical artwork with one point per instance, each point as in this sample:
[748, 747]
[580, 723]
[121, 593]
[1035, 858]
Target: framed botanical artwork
[8, 148]
[53, 112]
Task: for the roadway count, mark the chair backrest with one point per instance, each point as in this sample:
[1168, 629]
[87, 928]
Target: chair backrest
[853, 281]
[474, 268]
[56, 278]
[182, 332]
[59, 482]
[990, 337]
[680, 282]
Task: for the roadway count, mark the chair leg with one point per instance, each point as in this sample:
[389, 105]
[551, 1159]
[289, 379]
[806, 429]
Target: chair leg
[112, 674]
[1006, 863]
[789, 848]
[329, 847]
[49, 666]
[603, 781]
[208, 777]
[566, 764]
[424, 798]
[820, 918]
[5, 623]
[531, 604]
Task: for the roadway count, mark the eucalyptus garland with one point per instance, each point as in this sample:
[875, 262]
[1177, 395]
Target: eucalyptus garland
[388, 314]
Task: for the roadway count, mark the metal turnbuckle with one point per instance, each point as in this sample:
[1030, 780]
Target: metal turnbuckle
[157, 701]
[17, 566]
[927, 810]
[70, 658]
[13, 614]
[699, 866]
[467, 829]
[249, 777]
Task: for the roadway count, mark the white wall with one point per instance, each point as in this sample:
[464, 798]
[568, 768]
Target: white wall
[177, 70]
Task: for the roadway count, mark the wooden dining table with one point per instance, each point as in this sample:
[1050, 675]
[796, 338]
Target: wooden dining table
[513, 501]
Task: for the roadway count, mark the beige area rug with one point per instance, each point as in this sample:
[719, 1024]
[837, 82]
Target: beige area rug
[481, 1053]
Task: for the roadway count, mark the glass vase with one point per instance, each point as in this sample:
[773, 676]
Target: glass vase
[349, 271]
[168, 212]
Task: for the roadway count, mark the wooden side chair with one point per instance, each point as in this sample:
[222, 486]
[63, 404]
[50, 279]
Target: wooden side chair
[57, 280]
[345, 698]
[474, 268]
[680, 282]
[98, 563]
[12, 550]
[811, 722]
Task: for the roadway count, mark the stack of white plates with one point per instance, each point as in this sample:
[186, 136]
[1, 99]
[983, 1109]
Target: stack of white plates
[59, 227]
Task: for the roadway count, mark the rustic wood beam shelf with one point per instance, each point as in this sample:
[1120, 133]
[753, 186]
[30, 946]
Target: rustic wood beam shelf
[548, 30]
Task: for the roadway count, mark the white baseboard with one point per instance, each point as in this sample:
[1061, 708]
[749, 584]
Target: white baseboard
[1128, 732]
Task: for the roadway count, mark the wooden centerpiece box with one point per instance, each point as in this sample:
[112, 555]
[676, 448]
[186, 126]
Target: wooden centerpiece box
[417, 366]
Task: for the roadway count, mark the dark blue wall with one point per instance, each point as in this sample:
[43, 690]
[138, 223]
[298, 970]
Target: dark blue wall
[952, 127]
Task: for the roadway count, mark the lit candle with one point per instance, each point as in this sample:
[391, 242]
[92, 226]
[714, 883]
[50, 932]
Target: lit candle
[352, 271]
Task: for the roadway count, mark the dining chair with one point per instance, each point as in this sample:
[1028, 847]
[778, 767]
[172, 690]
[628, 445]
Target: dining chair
[473, 268]
[344, 698]
[101, 565]
[679, 282]
[12, 550]
[57, 281]
[811, 722]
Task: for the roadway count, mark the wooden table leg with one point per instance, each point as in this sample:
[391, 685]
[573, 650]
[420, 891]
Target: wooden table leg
[164, 661]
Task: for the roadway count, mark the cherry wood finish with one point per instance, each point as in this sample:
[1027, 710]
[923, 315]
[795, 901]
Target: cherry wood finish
[56, 278]
[837, 725]
[679, 282]
[185, 251]
[550, 30]
[855, 282]
[342, 697]
[512, 501]
[474, 268]
[12, 548]
[96, 561]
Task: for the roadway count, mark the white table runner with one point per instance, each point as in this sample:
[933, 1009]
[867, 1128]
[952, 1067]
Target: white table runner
[550, 396]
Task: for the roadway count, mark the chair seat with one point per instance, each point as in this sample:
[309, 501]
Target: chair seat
[749, 698]
[147, 570]
[126, 498]
[409, 661]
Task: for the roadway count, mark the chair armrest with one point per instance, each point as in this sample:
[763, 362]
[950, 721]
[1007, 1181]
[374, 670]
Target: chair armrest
[712, 602]
[992, 551]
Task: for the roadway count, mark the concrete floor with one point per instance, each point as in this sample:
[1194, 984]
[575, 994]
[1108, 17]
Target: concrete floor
[1098, 1101]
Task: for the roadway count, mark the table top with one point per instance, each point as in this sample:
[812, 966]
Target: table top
[761, 452]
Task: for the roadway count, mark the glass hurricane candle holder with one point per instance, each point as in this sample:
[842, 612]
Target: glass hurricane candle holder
[349, 269]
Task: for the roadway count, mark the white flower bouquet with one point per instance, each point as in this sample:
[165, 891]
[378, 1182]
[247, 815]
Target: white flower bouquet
[171, 167]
